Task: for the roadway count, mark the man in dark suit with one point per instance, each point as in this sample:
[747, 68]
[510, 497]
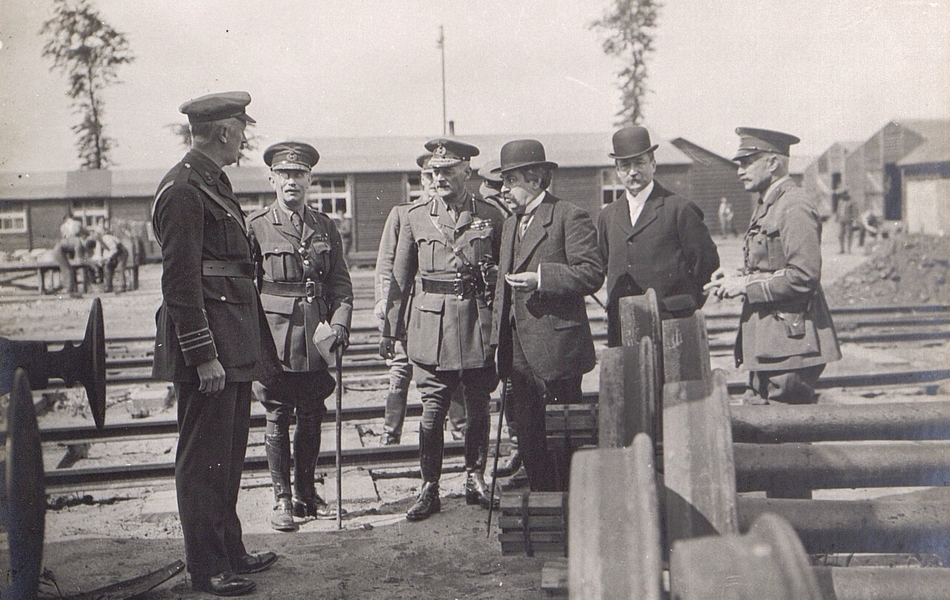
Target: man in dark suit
[550, 262]
[786, 336]
[212, 341]
[652, 238]
[305, 283]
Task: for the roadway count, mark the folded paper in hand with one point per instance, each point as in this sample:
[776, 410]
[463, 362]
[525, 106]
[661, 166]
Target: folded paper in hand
[324, 339]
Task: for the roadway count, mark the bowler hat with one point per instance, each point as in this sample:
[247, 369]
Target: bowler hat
[521, 154]
[753, 140]
[631, 142]
[291, 156]
[217, 107]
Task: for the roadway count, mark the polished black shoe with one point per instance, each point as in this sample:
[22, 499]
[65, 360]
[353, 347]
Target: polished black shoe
[315, 507]
[428, 503]
[476, 491]
[389, 440]
[254, 563]
[511, 466]
[282, 519]
[224, 584]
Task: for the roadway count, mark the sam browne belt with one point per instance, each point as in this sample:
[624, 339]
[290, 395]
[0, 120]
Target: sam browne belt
[223, 268]
[460, 286]
[292, 289]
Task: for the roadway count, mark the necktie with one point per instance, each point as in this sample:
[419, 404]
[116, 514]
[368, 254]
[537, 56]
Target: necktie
[297, 222]
[523, 222]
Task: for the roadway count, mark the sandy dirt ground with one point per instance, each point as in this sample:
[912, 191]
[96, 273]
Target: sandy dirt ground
[102, 535]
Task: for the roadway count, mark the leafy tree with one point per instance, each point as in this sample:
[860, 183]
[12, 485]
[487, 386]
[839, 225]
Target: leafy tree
[182, 131]
[88, 51]
[628, 25]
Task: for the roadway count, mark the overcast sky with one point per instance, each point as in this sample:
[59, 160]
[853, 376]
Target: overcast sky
[825, 70]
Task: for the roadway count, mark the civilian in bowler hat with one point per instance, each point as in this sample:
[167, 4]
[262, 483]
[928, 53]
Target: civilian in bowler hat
[212, 340]
[786, 336]
[652, 238]
[304, 282]
[550, 262]
[451, 241]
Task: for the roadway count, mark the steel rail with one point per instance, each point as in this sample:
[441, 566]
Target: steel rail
[905, 316]
[751, 428]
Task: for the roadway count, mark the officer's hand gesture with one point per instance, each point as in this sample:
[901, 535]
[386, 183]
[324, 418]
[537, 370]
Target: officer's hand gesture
[379, 310]
[387, 347]
[342, 337]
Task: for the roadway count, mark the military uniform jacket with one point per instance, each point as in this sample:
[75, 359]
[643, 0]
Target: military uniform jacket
[669, 249]
[552, 323]
[446, 331]
[197, 219]
[311, 262]
[785, 321]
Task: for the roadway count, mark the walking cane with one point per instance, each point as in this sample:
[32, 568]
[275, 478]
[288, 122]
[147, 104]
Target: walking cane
[501, 416]
[339, 435]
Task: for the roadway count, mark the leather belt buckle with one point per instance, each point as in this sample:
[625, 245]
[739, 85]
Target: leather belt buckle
[311, 287]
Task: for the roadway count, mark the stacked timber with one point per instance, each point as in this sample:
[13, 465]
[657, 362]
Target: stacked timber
[533, 523]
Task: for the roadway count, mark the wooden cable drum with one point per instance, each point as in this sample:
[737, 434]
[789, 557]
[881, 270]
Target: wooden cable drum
[614, 544]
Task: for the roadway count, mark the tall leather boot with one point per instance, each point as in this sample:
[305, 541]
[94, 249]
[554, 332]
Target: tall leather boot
[307, 503]
[476, 457]
[277, 447]
[431, 442]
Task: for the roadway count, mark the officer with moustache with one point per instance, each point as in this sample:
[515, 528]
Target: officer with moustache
[452, 243]
[550, 261]
[211, 340]
[305, 282]
[786, 336]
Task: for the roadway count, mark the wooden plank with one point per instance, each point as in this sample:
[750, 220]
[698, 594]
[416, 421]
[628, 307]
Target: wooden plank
[536, 523]
[699, 468]
[554, 577]
[539, 503]
[614, 544]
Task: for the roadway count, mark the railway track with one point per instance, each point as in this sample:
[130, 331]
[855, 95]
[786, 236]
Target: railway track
[129, 359]
[77, 479]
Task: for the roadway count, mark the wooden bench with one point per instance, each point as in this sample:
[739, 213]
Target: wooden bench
[11, 274]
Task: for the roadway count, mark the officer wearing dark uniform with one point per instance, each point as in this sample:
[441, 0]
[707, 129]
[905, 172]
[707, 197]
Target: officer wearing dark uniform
[305, 282]
[452, 242]
[212, 340]
[786, 336]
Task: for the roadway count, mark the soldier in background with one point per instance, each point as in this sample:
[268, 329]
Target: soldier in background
[74, 245]
[452, 242]
[112, 255]
[211, 340]
[786, 336]
[305, 283]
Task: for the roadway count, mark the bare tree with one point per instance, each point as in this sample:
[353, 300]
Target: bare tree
[182, 131]
[88, 51]
[628, 25]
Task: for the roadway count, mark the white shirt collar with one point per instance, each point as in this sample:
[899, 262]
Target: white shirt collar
[636, 203]
[535, 203]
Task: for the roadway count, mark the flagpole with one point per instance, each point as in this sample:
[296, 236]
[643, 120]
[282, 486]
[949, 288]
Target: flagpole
[442, 50]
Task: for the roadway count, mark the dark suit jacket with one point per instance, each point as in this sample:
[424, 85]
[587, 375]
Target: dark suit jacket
[197, 218]
[669, 250]
[552, 322]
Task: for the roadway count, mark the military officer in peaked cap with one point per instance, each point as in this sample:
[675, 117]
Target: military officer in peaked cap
[786, 336]
[305, 282]
[212, 340]
[452, 242]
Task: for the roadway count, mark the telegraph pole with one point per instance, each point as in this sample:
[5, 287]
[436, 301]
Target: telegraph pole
[442, 50]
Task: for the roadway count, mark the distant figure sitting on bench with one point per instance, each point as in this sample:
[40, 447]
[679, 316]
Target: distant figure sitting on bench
[73, 246]
[110, 253]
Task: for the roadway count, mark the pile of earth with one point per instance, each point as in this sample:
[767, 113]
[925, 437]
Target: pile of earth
[902, 270]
